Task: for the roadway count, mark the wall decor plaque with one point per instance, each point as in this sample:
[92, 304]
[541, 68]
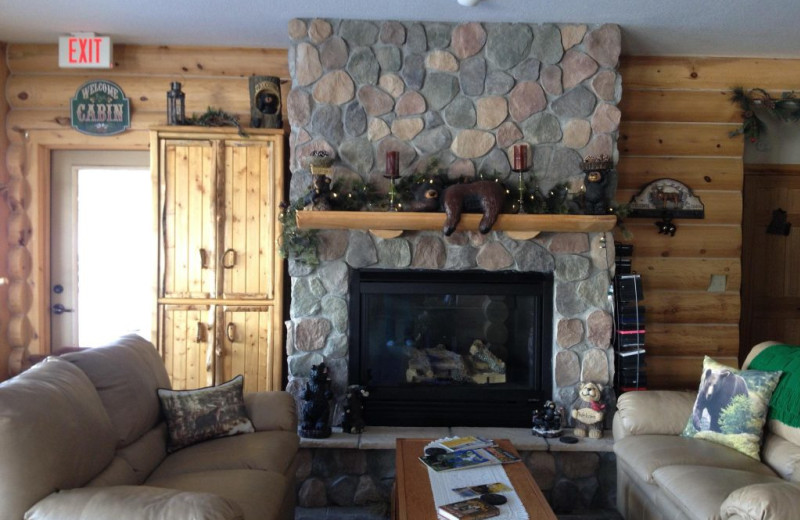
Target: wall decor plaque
[666, 198]
[100, 108]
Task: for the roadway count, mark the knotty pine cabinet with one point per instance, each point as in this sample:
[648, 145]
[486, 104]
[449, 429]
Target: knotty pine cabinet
[220, 278]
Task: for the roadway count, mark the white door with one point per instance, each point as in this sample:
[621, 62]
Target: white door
[102, 240]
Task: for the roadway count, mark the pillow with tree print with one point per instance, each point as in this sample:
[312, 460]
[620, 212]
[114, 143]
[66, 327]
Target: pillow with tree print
[731, 406]
[206, 413]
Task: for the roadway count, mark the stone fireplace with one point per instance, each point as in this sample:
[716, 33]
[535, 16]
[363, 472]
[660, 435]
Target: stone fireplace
[462, 94]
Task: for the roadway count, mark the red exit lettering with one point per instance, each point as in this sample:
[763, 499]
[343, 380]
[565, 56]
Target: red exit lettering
[84, 50]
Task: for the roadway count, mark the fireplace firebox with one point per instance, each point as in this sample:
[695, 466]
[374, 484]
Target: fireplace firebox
[451, 348]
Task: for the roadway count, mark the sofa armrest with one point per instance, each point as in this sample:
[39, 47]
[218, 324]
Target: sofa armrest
[272, 410]
[133, 503]
[652, 412]
[775, 501]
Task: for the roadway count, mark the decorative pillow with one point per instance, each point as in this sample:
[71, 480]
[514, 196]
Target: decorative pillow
[197, 415]
[731, 406]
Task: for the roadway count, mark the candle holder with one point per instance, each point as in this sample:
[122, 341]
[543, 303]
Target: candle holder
[520, 166]
[392, 173]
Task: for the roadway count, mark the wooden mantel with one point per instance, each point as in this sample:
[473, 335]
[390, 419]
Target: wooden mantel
[405, 221]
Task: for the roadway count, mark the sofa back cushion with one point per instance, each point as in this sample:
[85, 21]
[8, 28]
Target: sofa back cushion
[126, 375]
[54, 434]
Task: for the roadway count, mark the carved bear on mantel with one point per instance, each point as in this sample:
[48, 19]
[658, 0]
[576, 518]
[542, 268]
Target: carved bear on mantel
[485, 197]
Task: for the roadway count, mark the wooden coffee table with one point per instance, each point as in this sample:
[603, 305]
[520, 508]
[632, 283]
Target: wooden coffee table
[413, 498]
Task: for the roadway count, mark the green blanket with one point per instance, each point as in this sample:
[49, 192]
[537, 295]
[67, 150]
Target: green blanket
[785, 403]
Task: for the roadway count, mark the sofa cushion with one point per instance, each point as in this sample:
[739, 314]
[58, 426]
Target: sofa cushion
[146, 453]
[782, 456]
[269, 451]
[54, 434]
[260, 494]
[126, 375]
[764, 501]
[206, 413]
[699, 490]
[133, 503]
[118, 473]
[731, 406]
[644, 454]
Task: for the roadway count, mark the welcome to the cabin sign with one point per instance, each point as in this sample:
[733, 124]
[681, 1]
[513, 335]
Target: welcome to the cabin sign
[100, 108]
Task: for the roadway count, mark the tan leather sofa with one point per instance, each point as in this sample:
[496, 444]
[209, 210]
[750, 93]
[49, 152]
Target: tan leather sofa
[82, 437]
[661, 475]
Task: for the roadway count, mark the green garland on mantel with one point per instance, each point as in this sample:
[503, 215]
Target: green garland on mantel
[786, 108]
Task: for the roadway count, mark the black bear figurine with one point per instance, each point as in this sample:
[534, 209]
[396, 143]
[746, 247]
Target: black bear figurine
[353, 421]
[315, 413]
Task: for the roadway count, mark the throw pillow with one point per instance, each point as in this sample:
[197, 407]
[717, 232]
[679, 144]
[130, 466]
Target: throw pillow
[206, 413]
[731, 406]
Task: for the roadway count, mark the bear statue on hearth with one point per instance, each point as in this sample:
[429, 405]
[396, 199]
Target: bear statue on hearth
[315, 412]
[590, 412]
[353, 421]
[486, 197]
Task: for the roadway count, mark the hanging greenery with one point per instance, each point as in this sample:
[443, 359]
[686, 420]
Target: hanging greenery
[785, 108]
[298, 244]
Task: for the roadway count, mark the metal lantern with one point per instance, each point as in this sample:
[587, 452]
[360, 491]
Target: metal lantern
[176, 105]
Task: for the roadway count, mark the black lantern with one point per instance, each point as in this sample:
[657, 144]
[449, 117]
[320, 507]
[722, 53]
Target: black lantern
[176, 103]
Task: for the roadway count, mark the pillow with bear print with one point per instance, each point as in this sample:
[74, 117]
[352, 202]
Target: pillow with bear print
[731, 406]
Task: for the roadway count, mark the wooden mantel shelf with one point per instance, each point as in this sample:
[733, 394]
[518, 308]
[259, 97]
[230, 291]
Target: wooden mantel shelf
[404, 221]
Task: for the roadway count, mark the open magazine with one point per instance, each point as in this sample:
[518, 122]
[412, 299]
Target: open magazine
[478, 452]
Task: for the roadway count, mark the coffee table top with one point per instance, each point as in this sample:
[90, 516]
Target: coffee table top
[414, 498]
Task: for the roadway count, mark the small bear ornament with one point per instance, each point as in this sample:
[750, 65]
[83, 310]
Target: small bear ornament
[590, 413]
[315, 409]
[353, 421]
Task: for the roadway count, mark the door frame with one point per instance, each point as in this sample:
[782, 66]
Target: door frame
[29, 157]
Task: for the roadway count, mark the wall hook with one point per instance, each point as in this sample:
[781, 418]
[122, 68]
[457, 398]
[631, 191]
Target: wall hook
[666, 227]
[778, 224]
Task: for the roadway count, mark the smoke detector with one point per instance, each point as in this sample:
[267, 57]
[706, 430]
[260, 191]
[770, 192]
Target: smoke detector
[468, 3]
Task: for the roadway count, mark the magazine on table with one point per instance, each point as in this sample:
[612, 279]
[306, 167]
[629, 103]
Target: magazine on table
[470, 509]
[461, 443]
[459, 460]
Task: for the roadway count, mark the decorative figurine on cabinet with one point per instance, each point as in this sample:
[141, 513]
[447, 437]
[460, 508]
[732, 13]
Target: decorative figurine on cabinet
[315, 413]
[265, 102]
[597, 171]
[353, 421]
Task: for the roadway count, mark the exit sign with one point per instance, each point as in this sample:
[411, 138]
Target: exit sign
[85, 51]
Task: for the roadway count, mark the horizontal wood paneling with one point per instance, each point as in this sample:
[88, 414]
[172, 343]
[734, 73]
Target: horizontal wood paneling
[161, 60]
[679, 105]
[689, 274]
[670, 138]
[689, 339]
[679, 373]
[690, 240]
[692, 307]
[697, 73]
[5, 348]
[701, 173]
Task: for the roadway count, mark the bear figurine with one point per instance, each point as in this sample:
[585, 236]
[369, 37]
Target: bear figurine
[590, 413]
[486, 197]
[353, 421]
[316, 409]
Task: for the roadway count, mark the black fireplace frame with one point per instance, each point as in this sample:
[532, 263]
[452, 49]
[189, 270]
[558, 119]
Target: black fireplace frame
[501, 405]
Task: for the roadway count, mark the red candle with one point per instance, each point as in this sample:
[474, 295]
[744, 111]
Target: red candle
[520, 157]
[392, 165]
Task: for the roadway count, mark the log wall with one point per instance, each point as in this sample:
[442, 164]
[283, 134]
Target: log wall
[5, 350]
[37, 94]
[676, 117]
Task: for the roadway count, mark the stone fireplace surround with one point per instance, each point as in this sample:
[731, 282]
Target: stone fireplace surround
[463, 94]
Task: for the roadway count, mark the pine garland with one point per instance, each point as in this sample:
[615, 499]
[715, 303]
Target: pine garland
[216, 117]
[785, 108]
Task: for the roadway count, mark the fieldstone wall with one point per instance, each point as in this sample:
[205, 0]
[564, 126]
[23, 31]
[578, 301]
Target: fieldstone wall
[462, 94]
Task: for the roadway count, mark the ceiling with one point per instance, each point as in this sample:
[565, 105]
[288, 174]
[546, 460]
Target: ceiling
[742, 28]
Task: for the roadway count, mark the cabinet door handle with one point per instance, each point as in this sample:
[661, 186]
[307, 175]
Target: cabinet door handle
[230, 332]
[201, 332]
[229, 258]
[203, 258]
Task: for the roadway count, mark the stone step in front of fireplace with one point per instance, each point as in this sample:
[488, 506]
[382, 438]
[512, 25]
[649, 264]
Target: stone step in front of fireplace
[384, 437]
[350, 476]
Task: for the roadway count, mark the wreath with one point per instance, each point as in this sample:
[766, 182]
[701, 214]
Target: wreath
[786, 108]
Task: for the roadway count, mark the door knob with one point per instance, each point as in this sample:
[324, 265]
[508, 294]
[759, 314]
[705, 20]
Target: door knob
[59, 309]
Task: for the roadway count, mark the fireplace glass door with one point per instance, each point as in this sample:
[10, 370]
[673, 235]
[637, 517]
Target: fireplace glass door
[454, 348]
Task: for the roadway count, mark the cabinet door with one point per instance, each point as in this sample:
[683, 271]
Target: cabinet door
[247, 347]
[248, 256]
[187, 344]
[188, 178]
